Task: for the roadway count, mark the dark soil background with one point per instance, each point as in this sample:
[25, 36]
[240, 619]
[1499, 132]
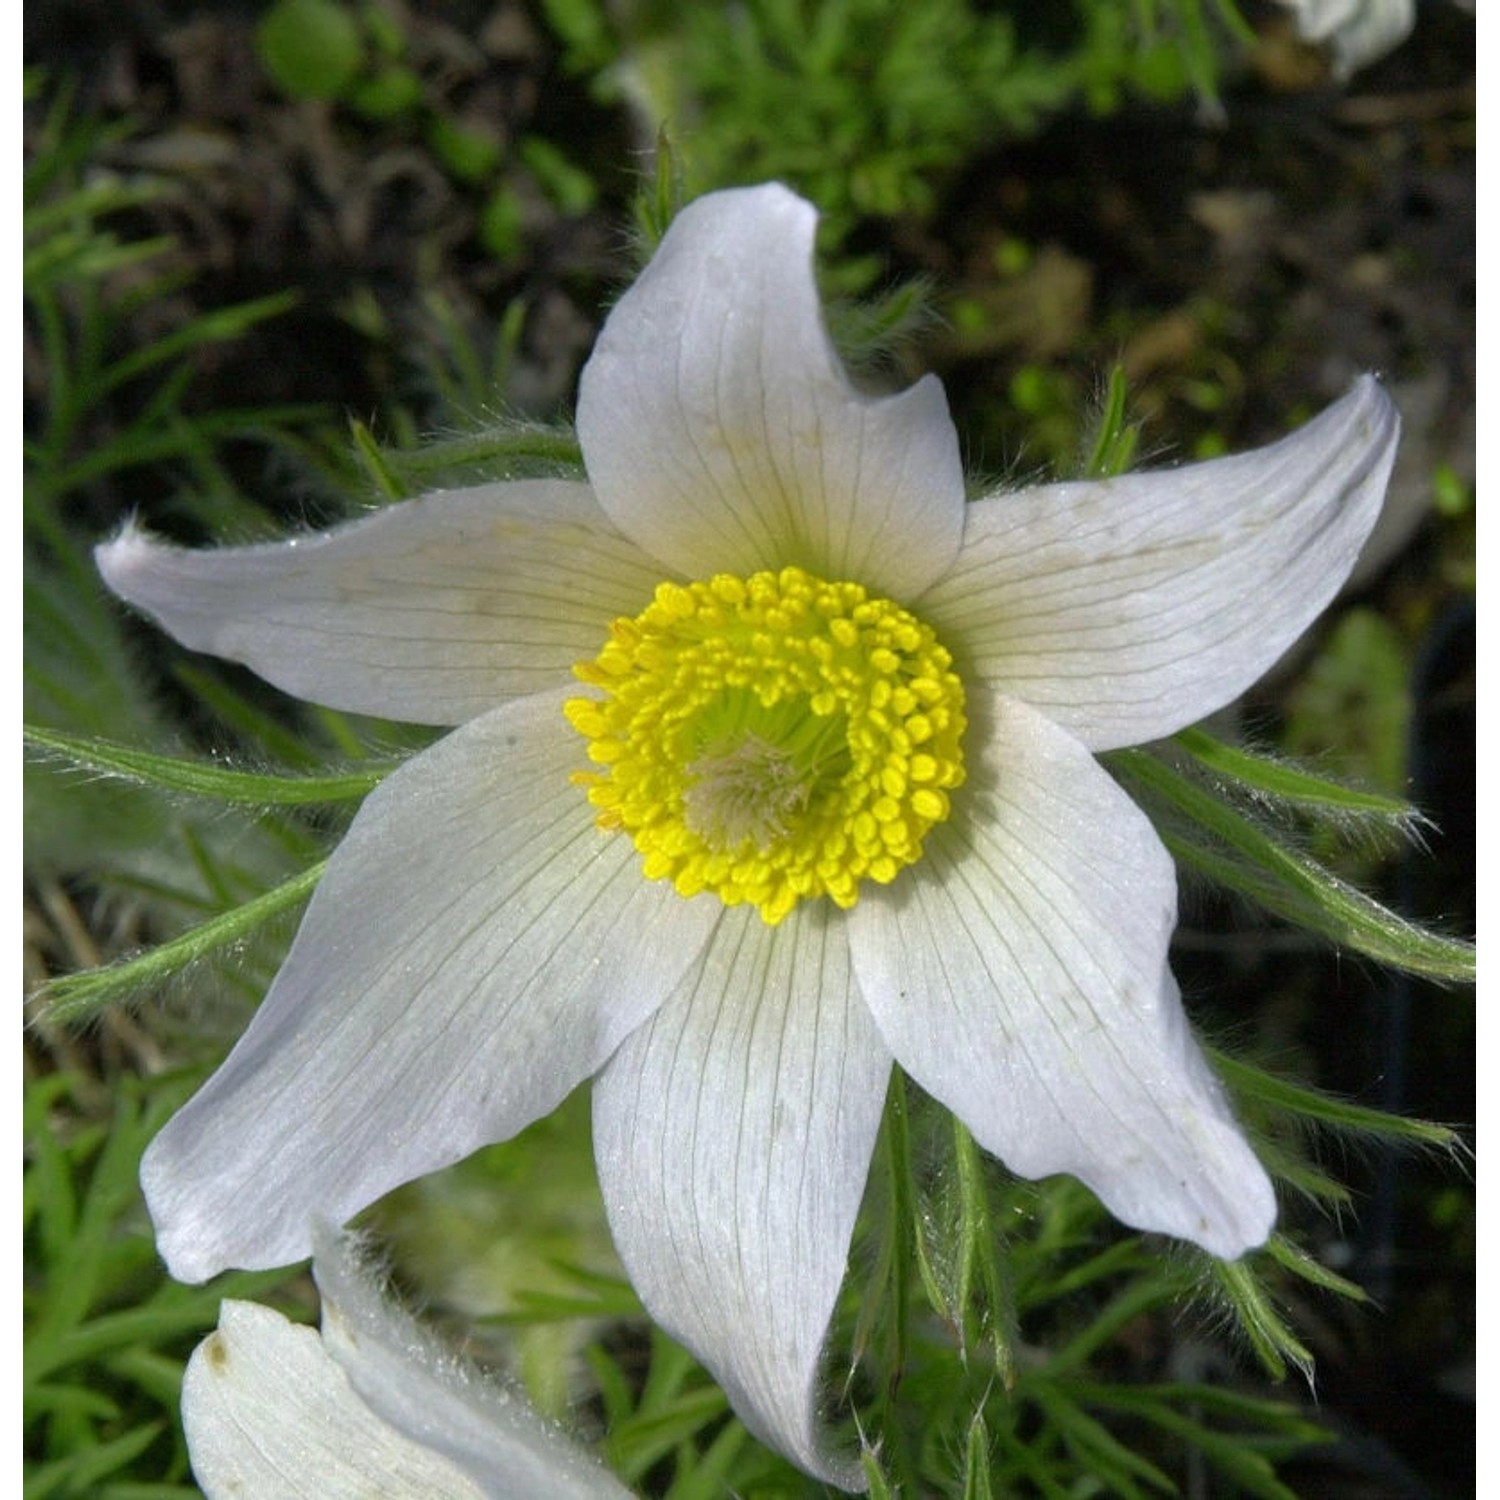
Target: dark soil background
[1313, 233]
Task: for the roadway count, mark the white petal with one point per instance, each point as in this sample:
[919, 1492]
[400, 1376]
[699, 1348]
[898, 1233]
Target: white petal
[476, 948]
[409, 1380]
[1019, 974]
[270, 1416]
[733, 1134]
[1360, 31]
[722, 434]
[376, 1407]
[1128, 608]
[431, 611]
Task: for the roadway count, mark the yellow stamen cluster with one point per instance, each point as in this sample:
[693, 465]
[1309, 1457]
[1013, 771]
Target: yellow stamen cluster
[771, 738]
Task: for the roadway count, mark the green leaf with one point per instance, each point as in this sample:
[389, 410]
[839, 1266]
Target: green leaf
[171, 1311]
[1124, 1255]
[78, 997]
[1142, 1295]
[1097, 1449]
[130, 1490]
[568, 186]
[372, 460]
[312, 48]
[502, 446]
[615, 1389]
[1291, 1169]
[1354, 700]
[616, 1300]
[637, 1443]
[50, 1201]
[1116, 437]
[878, 1486]
[502, 224]
[76, 1401]
[219, 325]
[977, 1479]
[888, 1308]
[393, 90]
[470, 154]
[870, 332]
[1236, 1454]
[659, 198]
[1283, 782]
[1272, 1340]
[81, 1472]
[158, 1375]
[986, 1302]
[79, 1266]
[585, 29]
[157, 437]
[707, 1478]
[1245, 857]
[1300, 1263]
[198, 779]
[243, 716]
[1269, 1091]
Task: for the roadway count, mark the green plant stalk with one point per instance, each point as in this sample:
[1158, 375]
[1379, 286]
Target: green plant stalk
[79, 997]
[1093, 1443]
[145, 768]
[977, 1481]
[1228, 1452]
[1142, 1295]
[1297, 1099]
[982, 1257]
[903, 1229]
[1299, 1263]
[474, 449]
[1291, 783]
[116, 1332]
[1327, 904]
[1273, 1342]
[1115, 443]
[373, 461]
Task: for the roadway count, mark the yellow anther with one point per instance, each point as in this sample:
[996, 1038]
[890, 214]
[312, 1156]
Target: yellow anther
[929, 804]
[755, 737]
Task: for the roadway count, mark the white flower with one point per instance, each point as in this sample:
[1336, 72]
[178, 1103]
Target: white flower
[1359, 31]
[374, 1407]
[764, 581]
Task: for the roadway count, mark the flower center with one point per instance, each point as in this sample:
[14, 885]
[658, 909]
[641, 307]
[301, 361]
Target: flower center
[771, 738]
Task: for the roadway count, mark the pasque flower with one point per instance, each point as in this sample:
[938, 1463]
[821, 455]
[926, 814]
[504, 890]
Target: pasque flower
[775, 763]
[374, 1407]
[1360, 32]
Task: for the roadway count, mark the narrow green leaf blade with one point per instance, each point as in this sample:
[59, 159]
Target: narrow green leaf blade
[1286, 881]
[78, 997]
[1284, 782]
[198, 779]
